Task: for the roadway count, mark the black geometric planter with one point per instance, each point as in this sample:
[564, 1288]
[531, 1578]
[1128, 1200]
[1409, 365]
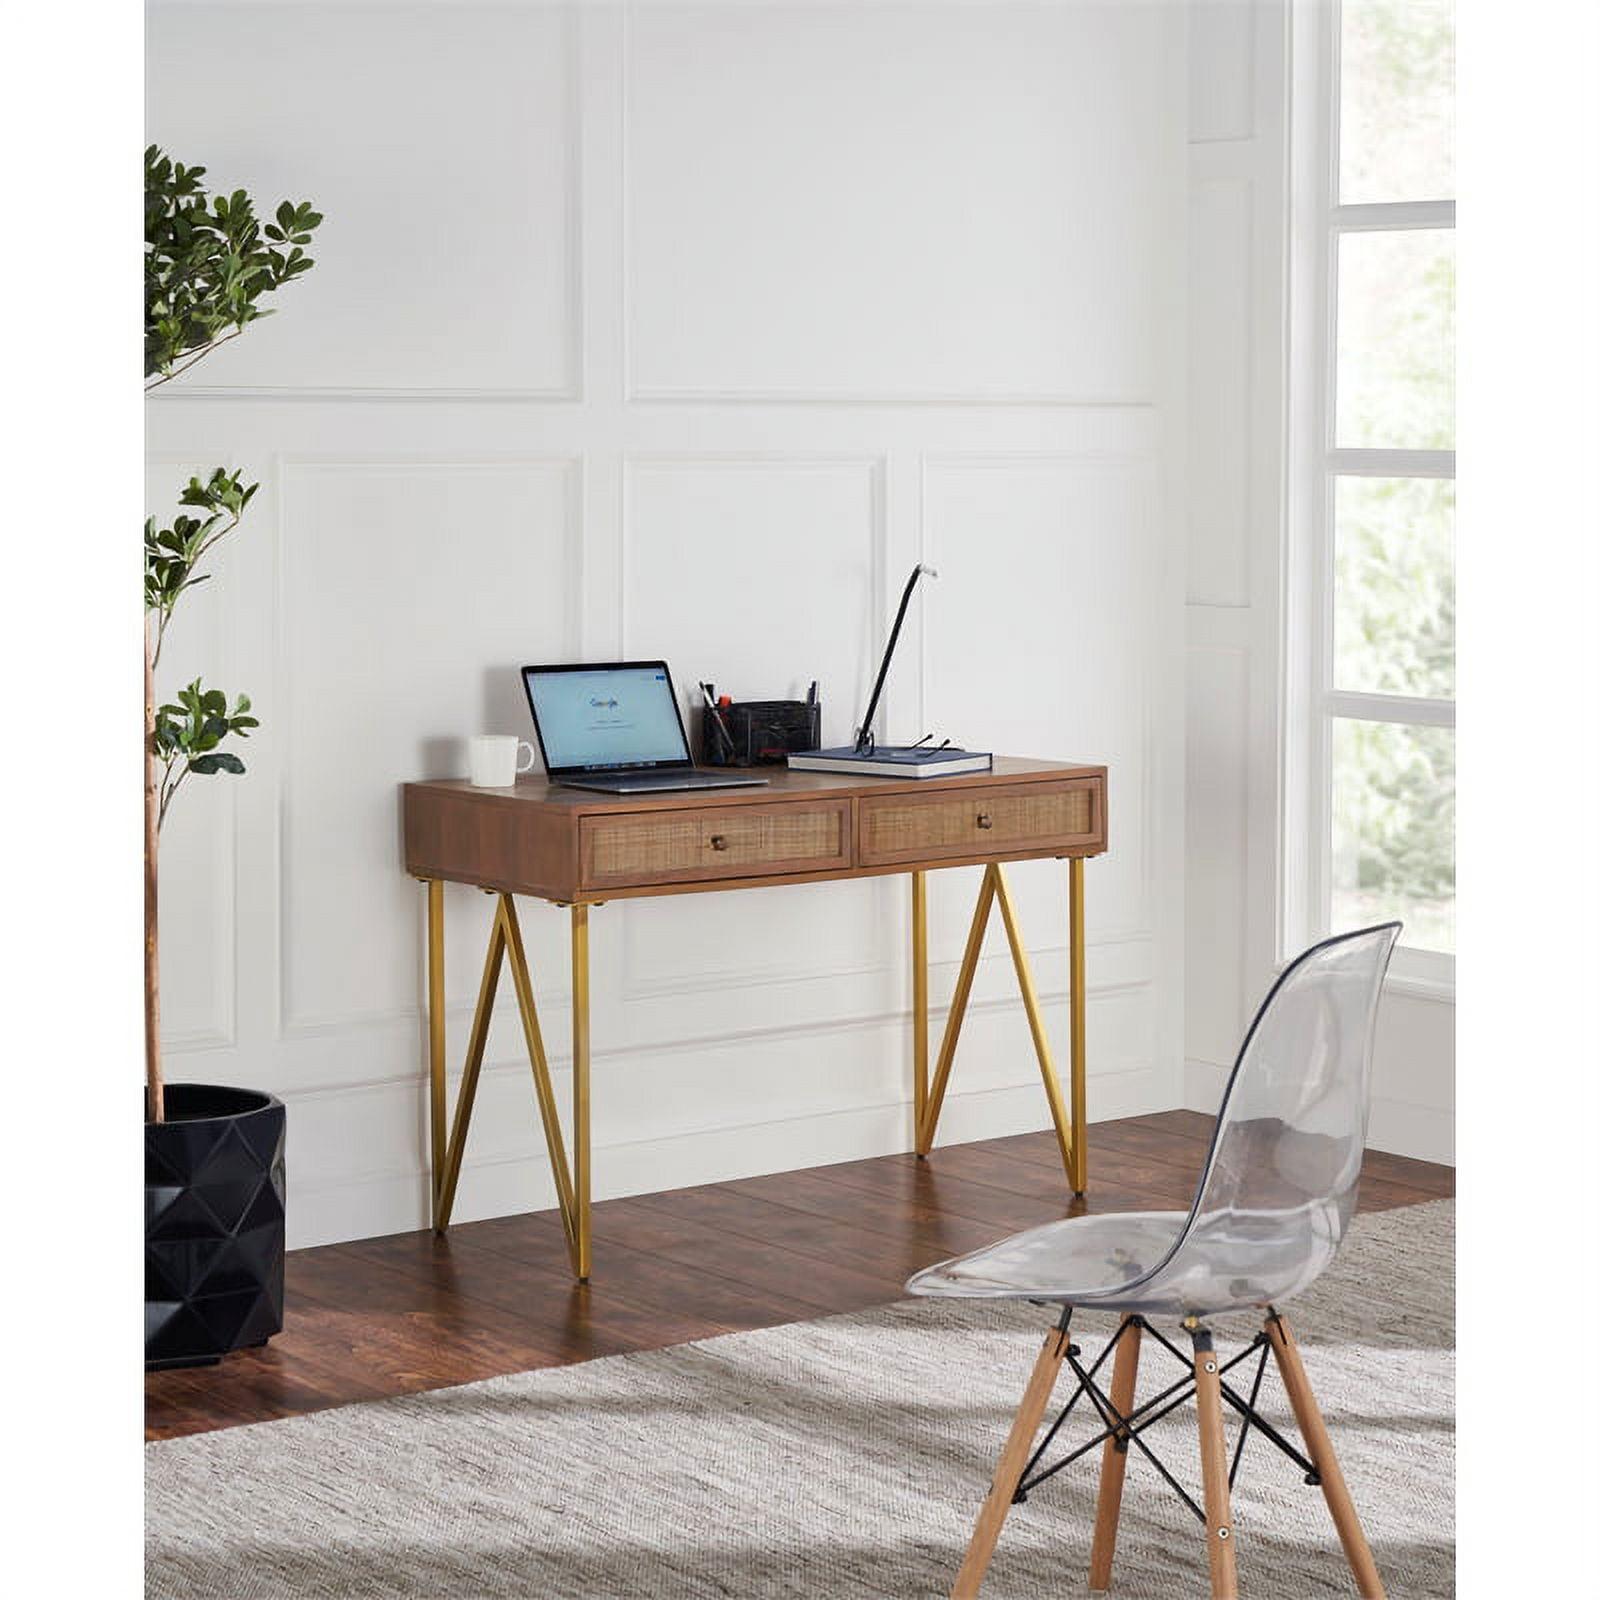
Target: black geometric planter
[213, 1224]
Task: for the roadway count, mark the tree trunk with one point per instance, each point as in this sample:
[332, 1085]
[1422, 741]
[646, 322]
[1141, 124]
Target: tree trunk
[155, 1109]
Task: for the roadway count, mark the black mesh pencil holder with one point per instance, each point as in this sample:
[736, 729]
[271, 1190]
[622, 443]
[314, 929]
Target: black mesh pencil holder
[759, 733]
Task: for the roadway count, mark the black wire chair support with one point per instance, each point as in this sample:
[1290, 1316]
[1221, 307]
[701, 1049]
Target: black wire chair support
[1125, 1429]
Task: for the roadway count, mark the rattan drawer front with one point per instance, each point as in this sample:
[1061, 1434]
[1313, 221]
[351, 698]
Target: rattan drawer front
[725, 842]
[1041, 816]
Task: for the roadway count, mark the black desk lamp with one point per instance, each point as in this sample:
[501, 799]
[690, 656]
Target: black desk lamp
[865, 743]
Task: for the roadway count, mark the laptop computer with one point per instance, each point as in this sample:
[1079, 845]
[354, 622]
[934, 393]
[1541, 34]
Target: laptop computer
[616, 727]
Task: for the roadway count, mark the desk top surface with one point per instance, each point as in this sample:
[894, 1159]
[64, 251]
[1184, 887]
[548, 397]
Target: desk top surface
[782, 784]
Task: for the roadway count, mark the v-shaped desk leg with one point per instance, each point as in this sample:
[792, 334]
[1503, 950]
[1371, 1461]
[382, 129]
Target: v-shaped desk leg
[505, 945]
[929, 1100]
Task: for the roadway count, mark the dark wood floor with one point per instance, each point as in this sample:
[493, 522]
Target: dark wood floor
[411, 1312]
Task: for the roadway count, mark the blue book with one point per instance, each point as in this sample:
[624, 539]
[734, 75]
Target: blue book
[893, 761]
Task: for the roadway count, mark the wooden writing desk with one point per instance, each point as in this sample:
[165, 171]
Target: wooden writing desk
[580, 849]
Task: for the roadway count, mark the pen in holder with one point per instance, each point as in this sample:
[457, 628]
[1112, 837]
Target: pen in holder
[758, 733]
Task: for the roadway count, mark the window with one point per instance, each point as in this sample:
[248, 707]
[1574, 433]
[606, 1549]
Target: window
[1370, 820]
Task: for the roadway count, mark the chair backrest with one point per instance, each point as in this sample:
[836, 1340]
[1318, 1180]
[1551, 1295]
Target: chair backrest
[1291, 1130]
[1293, 1121]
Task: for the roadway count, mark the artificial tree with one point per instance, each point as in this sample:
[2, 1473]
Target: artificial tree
[208, 262]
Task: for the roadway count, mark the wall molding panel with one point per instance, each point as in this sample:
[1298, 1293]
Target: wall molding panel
[1127, 525]
[687, 399]
[1222, 404]
[405, 316]
[447, 599]
[703, 209]
[200, 850]
[1222, 70]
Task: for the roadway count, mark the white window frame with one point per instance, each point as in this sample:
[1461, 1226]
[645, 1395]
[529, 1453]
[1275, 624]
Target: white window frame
[1311, 702]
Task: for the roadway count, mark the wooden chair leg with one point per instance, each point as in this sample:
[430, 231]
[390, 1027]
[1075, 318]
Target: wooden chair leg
[1114, 1458]
[1308, 1416]
[1013, 1458]
[1214, 1469]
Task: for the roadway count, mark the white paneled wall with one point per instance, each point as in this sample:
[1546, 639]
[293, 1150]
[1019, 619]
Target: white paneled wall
[892, 170]
[1238, 216]
[676, 330]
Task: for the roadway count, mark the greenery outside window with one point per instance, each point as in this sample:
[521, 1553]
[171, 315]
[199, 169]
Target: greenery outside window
[1370, 820]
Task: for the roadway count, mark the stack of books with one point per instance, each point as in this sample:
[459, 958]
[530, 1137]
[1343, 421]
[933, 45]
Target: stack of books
[894, 761]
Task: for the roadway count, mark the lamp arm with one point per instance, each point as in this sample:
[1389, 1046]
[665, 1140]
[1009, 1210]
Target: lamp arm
[864, 732]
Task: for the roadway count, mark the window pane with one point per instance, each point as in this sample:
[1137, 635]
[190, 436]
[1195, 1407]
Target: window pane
[1397, 100]
[1396, 377]
[1394, 825]
[1394, 586]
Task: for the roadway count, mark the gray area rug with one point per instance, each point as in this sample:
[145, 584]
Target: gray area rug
[843, 1457]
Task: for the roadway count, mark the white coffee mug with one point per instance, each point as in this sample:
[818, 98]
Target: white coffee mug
[494, 759]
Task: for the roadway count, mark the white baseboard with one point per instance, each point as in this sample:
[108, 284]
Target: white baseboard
[1426, 1133]
[369, 1205]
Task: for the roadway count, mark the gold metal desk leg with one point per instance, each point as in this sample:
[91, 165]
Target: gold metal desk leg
[1078, 1164]
[1069, 1117]
[957, 1014]
[580, 1091]
[437, 1114]
[919, 996]
[468, 1092]
[572, 1184]
[1067, 1136]
[517, 960]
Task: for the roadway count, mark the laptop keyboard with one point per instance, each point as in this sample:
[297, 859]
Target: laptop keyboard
[678, 780]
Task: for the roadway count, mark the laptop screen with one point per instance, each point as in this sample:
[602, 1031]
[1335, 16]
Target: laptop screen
[601, 718]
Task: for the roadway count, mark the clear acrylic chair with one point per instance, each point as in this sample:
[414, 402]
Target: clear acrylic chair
[1273, 1203]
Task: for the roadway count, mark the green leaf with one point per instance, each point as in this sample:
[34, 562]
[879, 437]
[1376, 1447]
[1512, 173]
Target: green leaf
[205, 268]
[222, 761]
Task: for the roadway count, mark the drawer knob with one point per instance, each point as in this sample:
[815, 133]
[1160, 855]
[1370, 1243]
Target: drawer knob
[985, 820]
[718, 842]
